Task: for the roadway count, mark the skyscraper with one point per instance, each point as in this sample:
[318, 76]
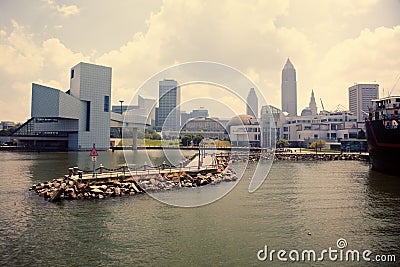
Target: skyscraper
[360, 96]
[168, 112]
[313, 105]
[289, 89]
[252, 103]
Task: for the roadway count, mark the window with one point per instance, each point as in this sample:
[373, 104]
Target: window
[106, 103]
[72, 73]
[87, 116]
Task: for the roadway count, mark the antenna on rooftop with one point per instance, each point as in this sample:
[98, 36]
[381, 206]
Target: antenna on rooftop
[398, 78]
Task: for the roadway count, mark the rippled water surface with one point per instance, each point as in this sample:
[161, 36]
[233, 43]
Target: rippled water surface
[301, 205]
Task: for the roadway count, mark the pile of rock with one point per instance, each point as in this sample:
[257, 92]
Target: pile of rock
[311, 157]
[298, 156]
[75, 187]
[175, 180]
[70, 188]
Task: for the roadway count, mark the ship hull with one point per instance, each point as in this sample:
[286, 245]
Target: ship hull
[383, 147]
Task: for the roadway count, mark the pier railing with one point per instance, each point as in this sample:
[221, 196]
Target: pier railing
[123, 171]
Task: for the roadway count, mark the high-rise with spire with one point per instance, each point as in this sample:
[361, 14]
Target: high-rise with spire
[313, 105]
[252, 103]
[289, 89]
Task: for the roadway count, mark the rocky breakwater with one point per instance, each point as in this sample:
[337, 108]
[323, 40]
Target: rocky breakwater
[312, 157]
[299, 157]
[177, 180]
[70, 188]
[74, 187]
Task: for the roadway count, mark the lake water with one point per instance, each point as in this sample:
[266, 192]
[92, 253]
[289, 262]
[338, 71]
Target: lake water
[301, 205]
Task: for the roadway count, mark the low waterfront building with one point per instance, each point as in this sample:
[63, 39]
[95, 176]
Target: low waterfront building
[207, 127]
[333, 127]
[244, 130]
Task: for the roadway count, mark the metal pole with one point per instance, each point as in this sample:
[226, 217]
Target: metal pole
[94, 168]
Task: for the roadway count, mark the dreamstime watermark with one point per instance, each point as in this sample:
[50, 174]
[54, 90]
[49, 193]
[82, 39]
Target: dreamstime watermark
[338, 253]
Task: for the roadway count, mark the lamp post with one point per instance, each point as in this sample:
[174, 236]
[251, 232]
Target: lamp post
[121, 101]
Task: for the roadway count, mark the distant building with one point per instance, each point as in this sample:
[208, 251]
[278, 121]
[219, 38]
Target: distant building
[271, 122]
[244, 131]
[289, 89]
[148, 104]
[332, 127]
[252, 103]
[360, 96]
[195, 113]
[122, 109]
[207, 127]
[145, 108]
[168, 112]
[312, 107]
[4, 125]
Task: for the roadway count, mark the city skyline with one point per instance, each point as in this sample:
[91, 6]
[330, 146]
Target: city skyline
[351, 43]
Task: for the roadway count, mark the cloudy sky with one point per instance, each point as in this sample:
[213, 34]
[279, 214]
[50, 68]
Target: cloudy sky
[332, 44]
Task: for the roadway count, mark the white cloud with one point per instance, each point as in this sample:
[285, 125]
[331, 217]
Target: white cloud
[373, 56]
[324, 40]
[64, 10]
[24, 61]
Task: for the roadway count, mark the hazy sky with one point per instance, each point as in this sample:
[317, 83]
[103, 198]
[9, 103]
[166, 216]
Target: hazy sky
[332, 44]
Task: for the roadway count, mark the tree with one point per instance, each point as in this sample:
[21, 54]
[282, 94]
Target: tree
[187, 139]
[197, 139]
[318, 144]
[282, 143]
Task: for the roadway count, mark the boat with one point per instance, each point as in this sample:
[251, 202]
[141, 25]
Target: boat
[383, 135]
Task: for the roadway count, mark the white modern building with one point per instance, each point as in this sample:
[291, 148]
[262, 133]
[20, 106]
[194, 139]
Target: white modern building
[148, 105]
[360, 96]
[168, 111]
[289, 89]
[252, 103]
[75, 119]
[332, 127]
[271, 124]
[244, 131]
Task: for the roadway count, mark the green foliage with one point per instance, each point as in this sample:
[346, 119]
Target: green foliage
[187, 139]
[9, 131]
[282, 143]
[318, 144]
[197, 139]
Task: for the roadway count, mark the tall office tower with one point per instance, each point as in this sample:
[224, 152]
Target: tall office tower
[168, 111]
[289, 89]
[92, 85]
[313, 105]
[252, 103]
[360, 96]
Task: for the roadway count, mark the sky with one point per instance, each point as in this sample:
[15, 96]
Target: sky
[332, 44]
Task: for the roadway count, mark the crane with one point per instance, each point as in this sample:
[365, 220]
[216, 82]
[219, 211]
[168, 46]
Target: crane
[322, 104]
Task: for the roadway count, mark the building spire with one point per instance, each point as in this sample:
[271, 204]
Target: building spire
[313, 105]
[288, 64]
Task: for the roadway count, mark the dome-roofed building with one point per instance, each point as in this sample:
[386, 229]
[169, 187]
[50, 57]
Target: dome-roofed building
[241, 120]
